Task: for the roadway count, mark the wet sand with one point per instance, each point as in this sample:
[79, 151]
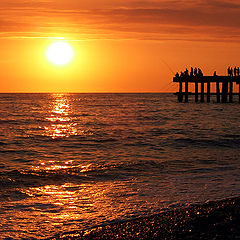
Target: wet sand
[212, 220]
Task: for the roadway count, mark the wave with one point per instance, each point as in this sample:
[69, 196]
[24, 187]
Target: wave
[222, 142]
[6, 121]
[78, 174]
[17, 151]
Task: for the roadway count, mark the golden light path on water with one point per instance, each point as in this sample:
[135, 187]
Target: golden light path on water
[69, 202]
[62, 125]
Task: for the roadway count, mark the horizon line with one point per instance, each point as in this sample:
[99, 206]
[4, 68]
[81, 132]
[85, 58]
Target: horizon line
[82, 92]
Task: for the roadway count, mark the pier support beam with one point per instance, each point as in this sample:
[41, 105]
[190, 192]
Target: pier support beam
[202, 91]
[224, 87]
[224, 91]
[208, 91]
[230, 91]
[196, 92]
[186, 91]
[239, 93]
[218, 91]
[180, 94]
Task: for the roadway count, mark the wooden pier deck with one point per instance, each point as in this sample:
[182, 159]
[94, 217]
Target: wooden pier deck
[223, 90]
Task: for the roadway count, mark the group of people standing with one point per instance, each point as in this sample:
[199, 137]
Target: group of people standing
[196, 72]
[233, 71]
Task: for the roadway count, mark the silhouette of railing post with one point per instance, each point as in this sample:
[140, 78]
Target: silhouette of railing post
[202, 91]
[180, 94]
[231, 91]
[196, 91]
[224, 91]
[208, 91]
[186, 90]
[218, 91]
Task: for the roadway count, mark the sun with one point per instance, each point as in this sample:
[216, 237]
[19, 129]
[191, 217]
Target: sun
[60, 53]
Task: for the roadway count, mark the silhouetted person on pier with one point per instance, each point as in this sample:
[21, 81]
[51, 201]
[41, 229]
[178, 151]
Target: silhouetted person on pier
[238, 71]
[229, 71]
[200, 73]
[186, 73]
[177, 75]
[191, 73]
[235, 71]
[215, 74]
[195, 72]
[182, 75]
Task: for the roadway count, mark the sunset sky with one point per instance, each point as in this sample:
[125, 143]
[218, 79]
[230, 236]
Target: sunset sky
[118, 45]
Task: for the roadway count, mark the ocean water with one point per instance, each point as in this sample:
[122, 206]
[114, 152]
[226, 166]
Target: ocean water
[74, 161]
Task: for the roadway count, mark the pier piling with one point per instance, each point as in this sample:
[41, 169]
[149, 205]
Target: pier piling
[230, 91]
[239, 94]
[224, 91]
[186, 91]
[218, 91]
[196, 91]
[180, 94]
[208, 91]
[202, 91]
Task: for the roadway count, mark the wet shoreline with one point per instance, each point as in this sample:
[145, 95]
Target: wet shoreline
[212, 220]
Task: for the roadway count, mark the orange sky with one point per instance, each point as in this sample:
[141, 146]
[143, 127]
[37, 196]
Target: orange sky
[119, 45]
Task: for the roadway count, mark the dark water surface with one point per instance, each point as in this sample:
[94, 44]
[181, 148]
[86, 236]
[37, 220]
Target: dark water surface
[72, 161]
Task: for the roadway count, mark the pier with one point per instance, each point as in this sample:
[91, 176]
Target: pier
[223, 90]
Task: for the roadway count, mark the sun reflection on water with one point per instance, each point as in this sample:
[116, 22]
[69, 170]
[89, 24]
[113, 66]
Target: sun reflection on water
[61, 190]
[71, 202]
[61, 122]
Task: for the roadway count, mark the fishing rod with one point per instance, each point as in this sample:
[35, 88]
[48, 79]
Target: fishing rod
[171, 70]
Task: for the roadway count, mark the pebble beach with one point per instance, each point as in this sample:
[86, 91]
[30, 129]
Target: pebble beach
[212, 220]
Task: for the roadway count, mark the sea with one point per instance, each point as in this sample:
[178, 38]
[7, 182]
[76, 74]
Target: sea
[75, 161]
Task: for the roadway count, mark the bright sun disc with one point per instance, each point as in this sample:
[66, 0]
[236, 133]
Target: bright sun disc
[60, 53]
